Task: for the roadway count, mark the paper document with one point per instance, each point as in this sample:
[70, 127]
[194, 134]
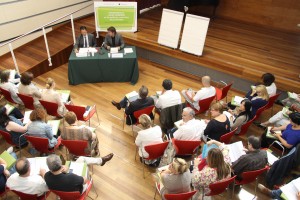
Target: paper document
[36, 164]
[27, 116]
[271, 157]
[55, 125]
[117, 55]
[271, 135]
[178, 123]
[79, 169]
[9, 108]
[291, 189]
[114, 50]
[81, 54]
[128, 50]
[292, 95]
[85, 50]
[9, 159]
[206, 149]
[236, 101]
[132, 96]
[236, 150]
[12, 74]
[285, 112]
[65, 95]
[158, 93]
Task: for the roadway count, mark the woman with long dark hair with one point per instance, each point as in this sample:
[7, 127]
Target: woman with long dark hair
[241, 116]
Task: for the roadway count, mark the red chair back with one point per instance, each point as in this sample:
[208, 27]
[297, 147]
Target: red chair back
[272, 100]
[7, 137]
[50, 107]
[245, 127]
[180, 196]
[226, 138]
[24, 196]
[76, 147]
[250, 176]
[7, 95]
[185, 147]
[260, 110]
[79, 112]
[221, 93]
[39, 143]
[138, 113]
[27, 100]
[74, 195]
[219, 187]
[204, 104]
[155, 150]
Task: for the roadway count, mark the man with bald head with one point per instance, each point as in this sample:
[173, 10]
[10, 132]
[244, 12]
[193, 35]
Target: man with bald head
[23, 182]
[205, 92]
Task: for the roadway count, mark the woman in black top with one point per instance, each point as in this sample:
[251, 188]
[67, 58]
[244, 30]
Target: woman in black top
[219, 125]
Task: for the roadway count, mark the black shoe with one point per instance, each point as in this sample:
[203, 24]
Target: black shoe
[117, 105]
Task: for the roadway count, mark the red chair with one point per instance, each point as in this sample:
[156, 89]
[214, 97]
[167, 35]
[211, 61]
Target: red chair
[7, 138]
[23, 196]
[260, 110]
[7, 95]
[80, 110]
[221, 93]
[271, 102]
[180, 196]
[185, 147]
[249, 177]
[137, 114]
[219, 187]
[50, 107]
[155, 151]
[27, 100]
[76, 147]
[245, 127]
[76, 194]
[41, 144]
[204, 105]
[226, 138]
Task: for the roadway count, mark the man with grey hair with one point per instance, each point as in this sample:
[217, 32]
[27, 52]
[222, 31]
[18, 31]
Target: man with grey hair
[205, 92]
[190, 128]
[58, 178]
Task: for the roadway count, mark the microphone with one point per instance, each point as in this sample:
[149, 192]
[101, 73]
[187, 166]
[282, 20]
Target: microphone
[100, 50]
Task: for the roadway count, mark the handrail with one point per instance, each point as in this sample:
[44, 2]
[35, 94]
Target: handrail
[41, 27]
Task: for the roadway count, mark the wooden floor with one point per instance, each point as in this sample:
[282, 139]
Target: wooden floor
[235, 48]
[122, 177]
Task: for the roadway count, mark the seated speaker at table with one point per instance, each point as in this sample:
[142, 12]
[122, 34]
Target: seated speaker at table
[85, 39]
[113, 39]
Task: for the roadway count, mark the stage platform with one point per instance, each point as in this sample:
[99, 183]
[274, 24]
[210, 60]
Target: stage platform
[233, 51]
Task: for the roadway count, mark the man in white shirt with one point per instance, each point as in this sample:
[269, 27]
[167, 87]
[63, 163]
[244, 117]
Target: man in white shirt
[205, 92]
[168, 96]
[26, 183]
[190, 128]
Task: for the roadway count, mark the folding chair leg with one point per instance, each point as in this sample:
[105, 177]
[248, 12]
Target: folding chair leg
[155, 192]
[143, 169]
[136, 150]
[233, 190]
[97, 117]
[256, 182]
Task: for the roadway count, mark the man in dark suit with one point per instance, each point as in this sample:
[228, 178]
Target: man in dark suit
[85, 40]
[142, 102]
[113, 39]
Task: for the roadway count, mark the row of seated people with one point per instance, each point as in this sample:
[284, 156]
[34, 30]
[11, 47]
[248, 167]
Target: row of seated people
[27, 87]
[21, 178]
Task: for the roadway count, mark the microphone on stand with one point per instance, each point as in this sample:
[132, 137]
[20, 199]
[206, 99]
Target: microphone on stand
[100, 50]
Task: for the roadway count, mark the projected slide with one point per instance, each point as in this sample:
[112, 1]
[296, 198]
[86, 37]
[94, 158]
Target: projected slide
[121, 15]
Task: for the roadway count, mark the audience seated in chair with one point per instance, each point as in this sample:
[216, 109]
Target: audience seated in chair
[190, 128]
[5, 173]
[168, 97]
[27, 87]
[150, 135]
[49, 94]
[142, 102]
[39, 127]
[214, 168]
[9, 86]
[268, 80]
[205, 92]
[175, 179]
[219, 125]
[254, 158]
[26, 182]
[14, 127]
[15, 113]
[76, 132]
[59, 179]
[259, 98]
[13, 79]
[240, 115]
[290, 136]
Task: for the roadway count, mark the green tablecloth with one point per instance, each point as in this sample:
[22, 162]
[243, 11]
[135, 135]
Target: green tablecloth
[101, 68]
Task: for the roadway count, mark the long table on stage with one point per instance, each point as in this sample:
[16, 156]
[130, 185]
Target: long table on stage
[101, 68]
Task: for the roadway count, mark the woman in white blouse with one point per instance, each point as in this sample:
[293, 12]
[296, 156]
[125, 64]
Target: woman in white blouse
[28, 88]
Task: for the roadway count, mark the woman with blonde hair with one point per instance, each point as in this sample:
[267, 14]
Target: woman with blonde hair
[40, 128]
[49, 94]
[149, 135]
[217, 168]
[259, 98]
[219, 125]
[175, 179]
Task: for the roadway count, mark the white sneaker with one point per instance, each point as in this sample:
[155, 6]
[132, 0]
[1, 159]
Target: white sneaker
[10, 149]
